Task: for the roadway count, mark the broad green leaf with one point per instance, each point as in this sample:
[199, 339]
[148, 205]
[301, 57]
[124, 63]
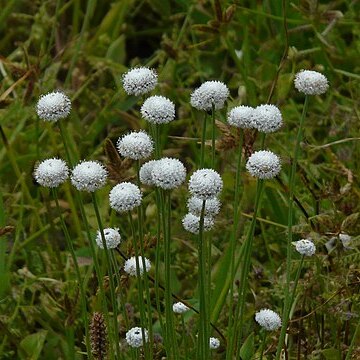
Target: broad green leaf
[32, 345]
[247, 350]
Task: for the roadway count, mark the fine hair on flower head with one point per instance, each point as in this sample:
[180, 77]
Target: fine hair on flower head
[89, 176]
[268, 319]
[168, 173]
[214, 343]
[134, 337]
[139, 81]
[205, 184]
[51, 172]
[305, 247]
[158, 110]
[53, 106]
[130, 265]
[209, 94]
[241, 117]
[212, 206]
[311, 82]
[266, 118]
[180, 308]
[136, 145]
[112, 238]
[263, 164]
[191, 223]
[125, 197]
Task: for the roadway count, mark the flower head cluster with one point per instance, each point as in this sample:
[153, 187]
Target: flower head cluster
[180, 308]
[53, 106]
[214, 343]
[168, 173]
[268, 319]
[125, 197]
[139, 81]
[130, 265]
[89, 176]
[311, 82]
[191, 223]
[158, 110]
[51, 172]
[241, 117]
[205, 184]
[134, 337]
[267, 118]
[112, 238]
[212, 206]
[263, 164]
[135, 145]
[305, 247]
[209, 94]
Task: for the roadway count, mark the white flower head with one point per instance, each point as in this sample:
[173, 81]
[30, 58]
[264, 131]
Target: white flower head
[134, 337]
[168, 173]
[267, 118]
[191, 223]
[180, 308]
[268, 319]
[208, 94]
[158, 110]
[112, 238]
[214, 343]
[135, 145]
[125, 197]
[130, 265]
[89, 176]
[263, 164]
[241, 117]
[145, 172]
[212, 206]
[205, 184]
[311, 82]
[139, 81]
[53, 106]
[51, 172]
[305, 247]
[345, 240]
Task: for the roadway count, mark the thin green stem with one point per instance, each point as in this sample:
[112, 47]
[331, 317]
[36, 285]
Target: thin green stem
[213, 137]
[263, 343]
[287, 304]
[203, 139]
[354, 340]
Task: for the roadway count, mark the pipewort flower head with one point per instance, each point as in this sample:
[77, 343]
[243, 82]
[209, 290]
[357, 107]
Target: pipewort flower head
[263, 164]
[89, 176]
[145, 173]
[168, 173]
[241, 117]
[112, 238]
[158, 110]
[134, 337]
[305, 247]
[180, 308]
[205, 184]
[214, 343]
[311, 82]
[267, 118]
[135, 145]
[53, 106]
[191, 223]
[212, 206]
[139, 81]
[51, 172]
[130, 265]
[125, 197]
[268, 319]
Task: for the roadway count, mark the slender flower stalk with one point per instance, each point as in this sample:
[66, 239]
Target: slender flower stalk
[263, 344]
[213, 134]
[203, 139]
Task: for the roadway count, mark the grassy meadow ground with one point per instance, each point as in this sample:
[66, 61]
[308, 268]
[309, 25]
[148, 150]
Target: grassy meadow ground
[255, 48]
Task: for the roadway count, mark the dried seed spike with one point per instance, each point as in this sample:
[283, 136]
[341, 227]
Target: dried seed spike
[98, 336]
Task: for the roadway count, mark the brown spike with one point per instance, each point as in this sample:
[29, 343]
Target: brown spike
[98, 336]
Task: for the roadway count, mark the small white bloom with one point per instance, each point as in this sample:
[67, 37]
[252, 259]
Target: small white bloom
[208, 94]
[168, 173]
[305, 247]
[180, 308]
[214, 343]
[112, 238]
[139, 81]
[263, 164]
[241, 117]
[134, 337]
[135, 145]
[125, 197]
[311, 82]
[145, 173]
[345, 240]
[51, 172]
[158, 110]
[212, 206]
[267, 118]
[205, 184]
[130, 265]
[89, 176]
[268, 319]
[191, 223]
[53, 106]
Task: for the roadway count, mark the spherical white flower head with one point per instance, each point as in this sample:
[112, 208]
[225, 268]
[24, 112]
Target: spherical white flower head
[53, 106]
[168, 173]
[136, 145]
[311, 82]
[208, 94]
[268, 319]
[267, 118]
[180, 308]
[241, 117]
[51, 172]
[158, 110]
[112, 238]
[89, 176]
[205, 184]
[139, 81]
[214, 343]
[145, 172]
[191, 223]
[125, 197]
[263, 164]
[134, 337]
[305, 247]
[212, 206]
[130, 265]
